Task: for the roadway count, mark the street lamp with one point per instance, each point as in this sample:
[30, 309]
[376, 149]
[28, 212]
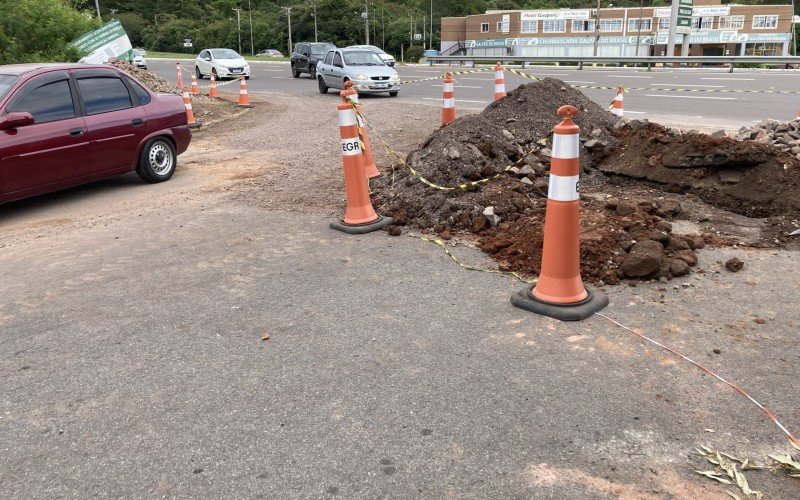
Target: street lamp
[314, 15]
[250, 12]
[239, 27]
[289, 16]
[97, 5]
[365, 15]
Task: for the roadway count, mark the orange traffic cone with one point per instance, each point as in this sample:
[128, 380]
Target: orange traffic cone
[499, 82]
[179, 79]
[212, 91]
[616, 104]
[359, 217]
[448, 100]
[187, 102]
[559, 292]
[195, 88]
[244, 99]
[369, 160]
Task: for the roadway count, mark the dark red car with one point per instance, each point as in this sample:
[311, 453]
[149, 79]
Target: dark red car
[67, 124]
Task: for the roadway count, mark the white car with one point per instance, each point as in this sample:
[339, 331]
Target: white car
[386, 58]
[138, 60]
[222, 63]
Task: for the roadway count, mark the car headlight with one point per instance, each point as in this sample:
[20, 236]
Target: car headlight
[395, 76]
[361, 77]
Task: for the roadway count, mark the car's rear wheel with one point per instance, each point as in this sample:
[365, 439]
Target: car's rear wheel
[157, 161]
[312, 70]
[197, 72]
[295, 73]
[323, 89]
[393, 94]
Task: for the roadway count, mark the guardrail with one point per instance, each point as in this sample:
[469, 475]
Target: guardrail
[649, 61]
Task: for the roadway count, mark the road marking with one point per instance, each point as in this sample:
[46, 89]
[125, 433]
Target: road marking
[739, 79]
[457, 100]
[576, 81]
[686, 85]
[458, 86]
[693, 97]
[627, 76]
[635, 112]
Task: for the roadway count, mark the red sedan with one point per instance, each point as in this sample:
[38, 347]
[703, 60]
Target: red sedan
[62, 125]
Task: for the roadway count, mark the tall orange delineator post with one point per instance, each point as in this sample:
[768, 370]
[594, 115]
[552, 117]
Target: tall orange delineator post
[499, 81]
[359, 216]
[369, 159]
[195, 88]
[616, 104]
[559, 292]
[187, 103]
[448, 100]
[244, 98]
[212, 91]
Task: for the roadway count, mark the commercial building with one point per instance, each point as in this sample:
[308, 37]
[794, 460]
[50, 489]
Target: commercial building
[760, 30]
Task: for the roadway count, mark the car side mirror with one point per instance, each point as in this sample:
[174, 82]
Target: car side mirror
[207, 58]
[15, 120]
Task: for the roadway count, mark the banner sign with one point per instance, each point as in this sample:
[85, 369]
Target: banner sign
[698, 37]
[698, 12]
[727, 36]
[554, 14]
[107, 41]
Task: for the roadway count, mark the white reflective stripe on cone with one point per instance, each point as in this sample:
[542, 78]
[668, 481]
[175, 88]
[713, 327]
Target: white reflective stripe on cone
[619, 98]
[449, 103]
[616, 111]
[354, 98]
[499, 87]
[351, 147]
[563, 188]
[187, 106]
[448, 87]
[347, 118]
[498, 75]
[565, 146]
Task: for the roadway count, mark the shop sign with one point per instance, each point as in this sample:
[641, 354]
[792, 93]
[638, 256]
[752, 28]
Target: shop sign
[554, 14]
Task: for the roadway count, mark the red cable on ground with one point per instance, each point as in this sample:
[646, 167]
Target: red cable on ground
[738, 389]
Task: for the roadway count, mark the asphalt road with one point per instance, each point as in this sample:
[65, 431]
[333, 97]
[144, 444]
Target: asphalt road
[706, 105]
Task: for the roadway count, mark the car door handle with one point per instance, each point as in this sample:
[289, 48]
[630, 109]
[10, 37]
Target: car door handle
[137, 122]
[74, 132]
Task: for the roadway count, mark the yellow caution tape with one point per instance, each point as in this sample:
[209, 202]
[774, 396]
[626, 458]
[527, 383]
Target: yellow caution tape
[468, 267]
[468, 72]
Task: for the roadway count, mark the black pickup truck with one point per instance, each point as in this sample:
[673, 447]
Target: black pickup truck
[306, 55]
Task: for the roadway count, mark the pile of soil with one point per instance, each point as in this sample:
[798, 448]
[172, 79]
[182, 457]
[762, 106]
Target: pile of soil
[746, 177]
[482, 145]
[152, 80]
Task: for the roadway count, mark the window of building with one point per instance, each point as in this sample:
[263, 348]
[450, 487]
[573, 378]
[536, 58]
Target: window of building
[731, 22]
[499, 27]
[484, 27]
[48, 103]
[529, 26]
[763, 49]
[765, 22]
[702, 23]
[663, 23]
[640, 24]
[611, 25]
[582, 26]
[554, 26]
[101, 94]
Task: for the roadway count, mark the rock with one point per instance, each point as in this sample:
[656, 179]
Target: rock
[395, 231]
[463, 138]
[625, 208]
[453, 153]
[743, 134]
[668, 208]
[678, 267]
[659, 236]
[734, 265]
[596, 133]
[540, 184]
[761, 136]
[546, 152]
[493, 219]
[664, 226]
[644, 259]
[718, 133]
[508, 135]
[514, 170]
[511, 120]
[796, 150]
[593, 144]
[687, 256]
[733, 176]
[637, 124]
[479, 224]
[677, 243]
[529, 182]
[527, 170]
[695, 241]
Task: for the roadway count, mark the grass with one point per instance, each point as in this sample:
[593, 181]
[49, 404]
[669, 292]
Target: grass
[192, 55]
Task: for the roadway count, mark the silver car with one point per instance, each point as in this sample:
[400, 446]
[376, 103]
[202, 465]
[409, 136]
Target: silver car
[363, 67]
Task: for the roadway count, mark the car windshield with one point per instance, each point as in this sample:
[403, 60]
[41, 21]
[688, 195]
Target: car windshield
[377, 50]
[6, 82]
[225, 54]
[321, 50]
[362, 58]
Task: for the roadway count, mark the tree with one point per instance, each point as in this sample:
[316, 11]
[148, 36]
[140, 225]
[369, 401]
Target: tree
[40, 30]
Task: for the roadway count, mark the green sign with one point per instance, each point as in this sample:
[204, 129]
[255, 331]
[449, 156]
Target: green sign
[107, 41]
[684, 23]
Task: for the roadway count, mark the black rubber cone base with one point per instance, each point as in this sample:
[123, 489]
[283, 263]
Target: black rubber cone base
[244, 105]
[196, 125]
[361, 228]
[572, 312]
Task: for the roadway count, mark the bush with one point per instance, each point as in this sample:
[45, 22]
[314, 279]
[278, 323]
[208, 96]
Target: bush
[414, 53]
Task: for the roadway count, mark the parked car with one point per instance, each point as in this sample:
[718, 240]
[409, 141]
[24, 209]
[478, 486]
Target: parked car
[306, 55]
[222, 63]
[138, 59]
[62, 125]
[270, 53]
[386, 58]
[363, 67]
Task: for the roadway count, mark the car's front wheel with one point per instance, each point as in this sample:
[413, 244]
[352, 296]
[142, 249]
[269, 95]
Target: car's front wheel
[157, 161]
[323, 89]
[198, 73]
[393, 94]
[295, 73]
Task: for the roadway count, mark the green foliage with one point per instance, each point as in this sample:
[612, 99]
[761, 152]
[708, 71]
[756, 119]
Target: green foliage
[40, 30]
[414, 53]
[134, 24]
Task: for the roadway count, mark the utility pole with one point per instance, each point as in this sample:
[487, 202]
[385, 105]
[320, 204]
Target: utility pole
[383, 30]
[596, 29]
[239, 27]
[430, 44]
[314, 5]
[366, 21]
[97, 4]
[673, 22]
[411, 29]
[250, 12]
[639, 32]
[289, 16]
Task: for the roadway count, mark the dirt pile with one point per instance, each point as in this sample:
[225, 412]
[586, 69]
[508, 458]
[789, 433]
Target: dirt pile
[785, 137]
[619, 239]
[480, 146]
[152, 80]
[751, 178]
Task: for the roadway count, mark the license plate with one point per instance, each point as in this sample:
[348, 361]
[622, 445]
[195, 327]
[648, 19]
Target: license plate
[381, 86]
[236, 70]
